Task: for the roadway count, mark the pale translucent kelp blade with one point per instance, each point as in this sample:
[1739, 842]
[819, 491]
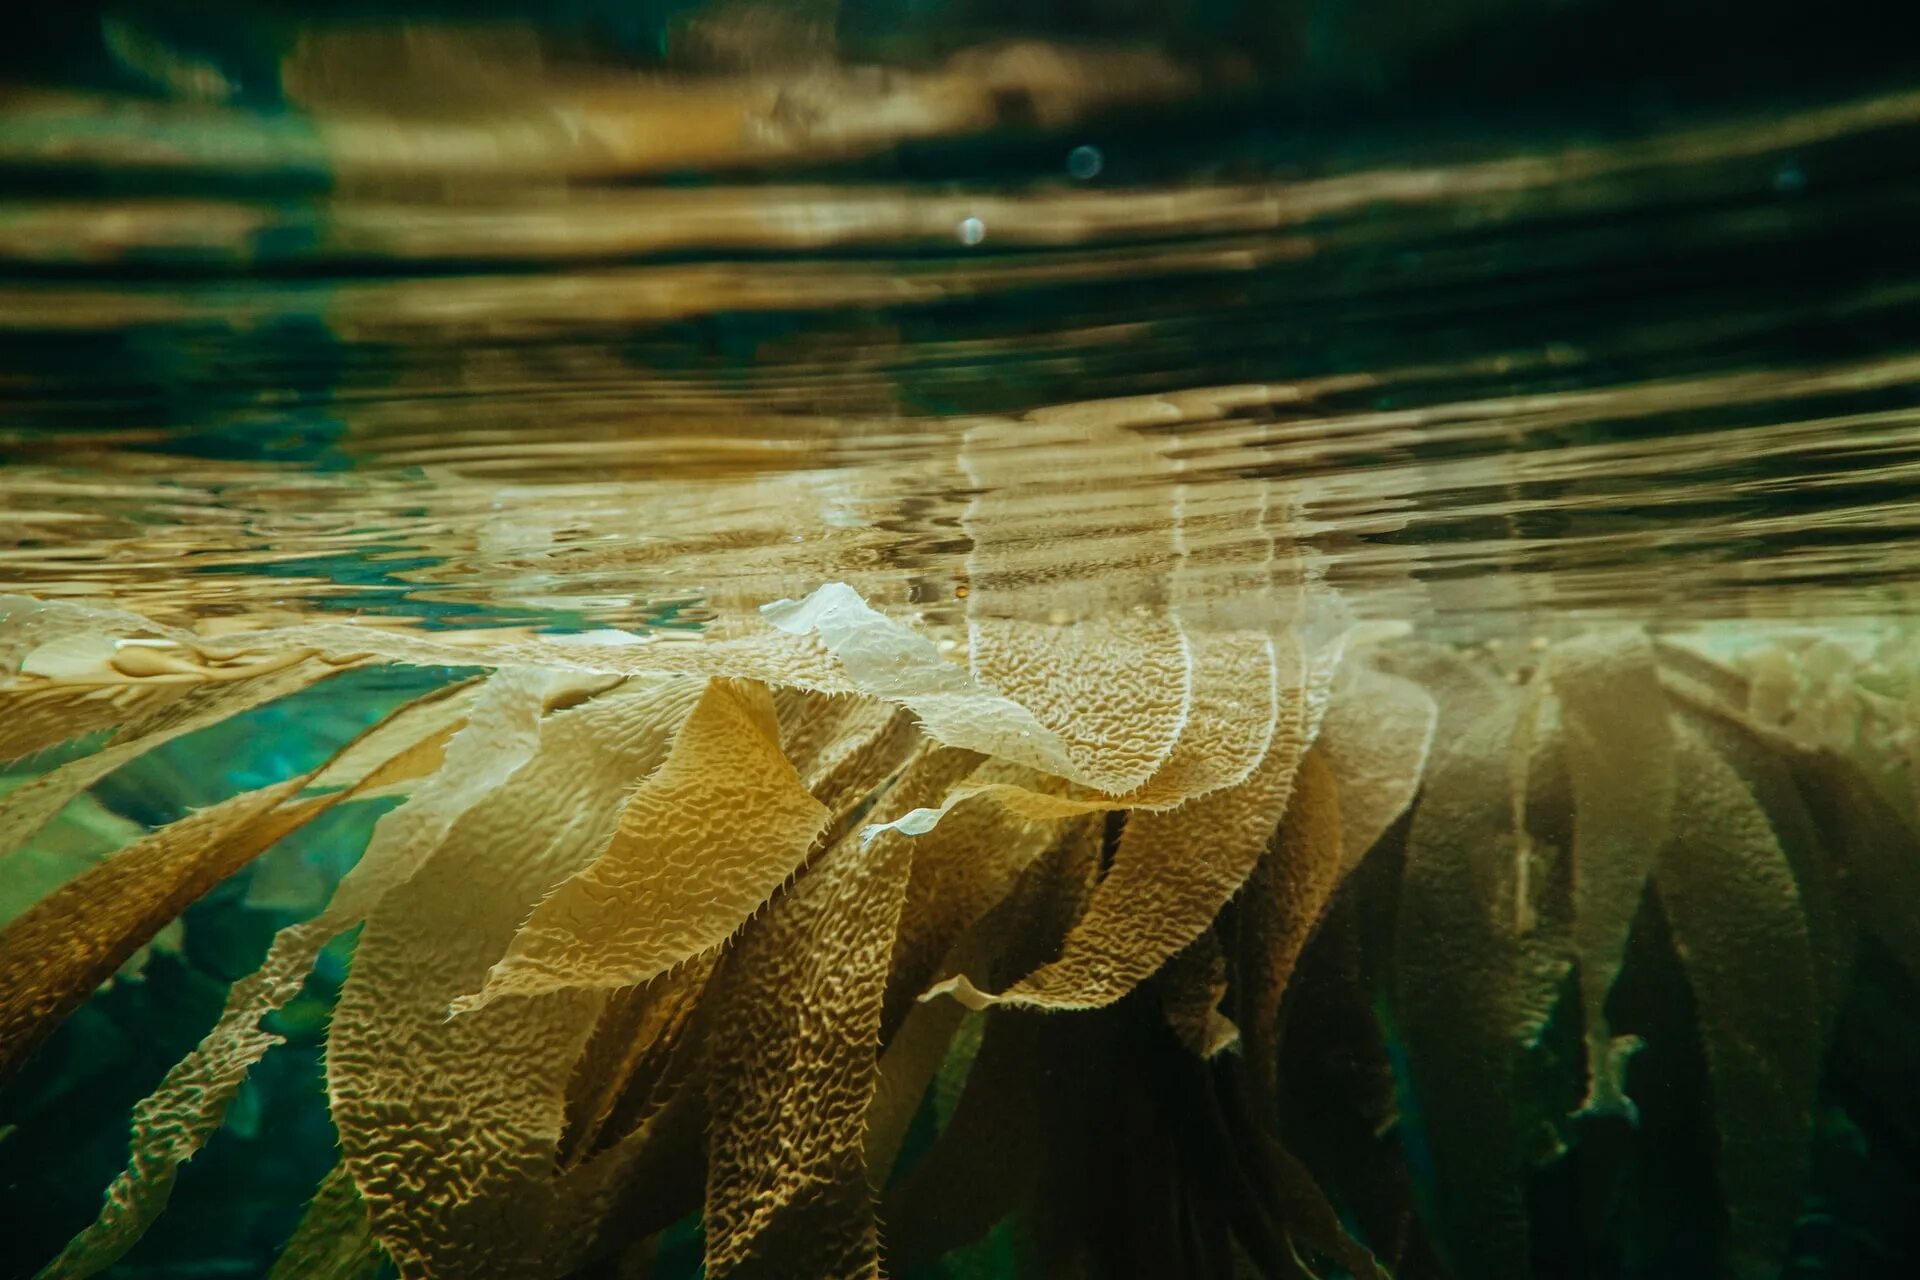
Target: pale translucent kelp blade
[832, 641]
[1171, 874]
[1376, 740]
[700, 845]
[39, 713]
[1235, 711]
[450, 1125]
[29, 807]
[1619, 744]
[1738, 927]
[176, 1120]
[794, 1054]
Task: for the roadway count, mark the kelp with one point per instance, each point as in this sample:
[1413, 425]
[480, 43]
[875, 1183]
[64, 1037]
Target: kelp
[1736, 915]
[1475, 985]
[451, 1154]
[795, 1054]
[173, 1122]
[64, 946]
[667, 886]
[30, 807]
[334, 1240]
[664, 927]
[1620, 764]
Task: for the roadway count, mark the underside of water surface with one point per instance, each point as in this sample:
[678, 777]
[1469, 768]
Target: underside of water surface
[1265, 639]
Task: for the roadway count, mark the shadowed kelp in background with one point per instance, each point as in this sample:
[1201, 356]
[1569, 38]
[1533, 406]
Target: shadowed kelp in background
[1257, 640]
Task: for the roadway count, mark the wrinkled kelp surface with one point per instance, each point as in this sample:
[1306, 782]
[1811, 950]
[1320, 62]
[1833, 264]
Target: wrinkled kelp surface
[862, 960]
[959, 640]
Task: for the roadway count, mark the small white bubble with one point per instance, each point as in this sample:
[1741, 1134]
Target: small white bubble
[1085, 162]
[971, 231]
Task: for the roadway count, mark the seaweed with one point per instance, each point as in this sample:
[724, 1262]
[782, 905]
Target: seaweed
[1203, 949]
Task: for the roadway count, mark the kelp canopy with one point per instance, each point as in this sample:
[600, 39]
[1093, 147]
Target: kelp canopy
[542, 617]
[1272, 943]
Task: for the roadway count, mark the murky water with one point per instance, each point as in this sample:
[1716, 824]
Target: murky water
[1551, 449]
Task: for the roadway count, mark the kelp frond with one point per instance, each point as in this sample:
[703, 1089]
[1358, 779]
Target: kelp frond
[863, 947]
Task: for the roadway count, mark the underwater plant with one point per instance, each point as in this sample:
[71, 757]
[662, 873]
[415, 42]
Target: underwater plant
[869, 951]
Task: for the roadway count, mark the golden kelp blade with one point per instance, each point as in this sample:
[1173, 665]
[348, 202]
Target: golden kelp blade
[1117, 695]
[883, 659]
[408, 745]
[450, 1125]
[1229, 729]
[1001, 920]
[1876, 849]
[175, 1121]
[962, 869]
[1813, 856]
[631, 1157]
[1171, 874]
[1376, 740]
[1286, 896]
[795, 1052]
[700, 845]
[29, 807]
[1620, 764]
[334, 1240]
[55, 955]
[994, 1149]
[1358, 780]
[842, 746]
[62, 948]
[1115, 683]
[85, 834]
[1738, 927]
[830, 642]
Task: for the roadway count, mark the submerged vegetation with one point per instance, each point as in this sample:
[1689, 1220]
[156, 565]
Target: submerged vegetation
[1266, 945]
[563, 713]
